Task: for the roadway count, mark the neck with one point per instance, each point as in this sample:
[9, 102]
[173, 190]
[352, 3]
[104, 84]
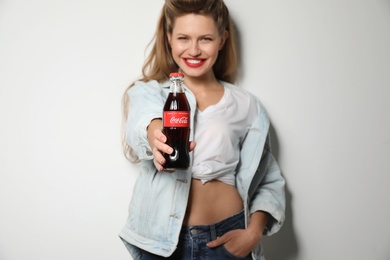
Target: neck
[198, 83]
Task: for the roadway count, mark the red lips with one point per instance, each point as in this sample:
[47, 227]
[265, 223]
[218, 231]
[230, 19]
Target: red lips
[194, 63]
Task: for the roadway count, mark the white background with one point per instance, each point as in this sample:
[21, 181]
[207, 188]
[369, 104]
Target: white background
[321, 68]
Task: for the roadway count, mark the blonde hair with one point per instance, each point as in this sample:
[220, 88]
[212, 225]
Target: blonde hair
[160, 63]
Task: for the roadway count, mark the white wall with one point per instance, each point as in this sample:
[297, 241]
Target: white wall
[321, 69]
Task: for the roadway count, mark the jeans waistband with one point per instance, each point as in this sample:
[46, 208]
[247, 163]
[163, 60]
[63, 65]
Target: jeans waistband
[214, 230]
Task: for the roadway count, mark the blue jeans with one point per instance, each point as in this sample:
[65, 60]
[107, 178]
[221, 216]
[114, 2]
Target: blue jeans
[193, 240]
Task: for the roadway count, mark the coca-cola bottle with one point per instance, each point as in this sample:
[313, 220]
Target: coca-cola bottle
[176, 124]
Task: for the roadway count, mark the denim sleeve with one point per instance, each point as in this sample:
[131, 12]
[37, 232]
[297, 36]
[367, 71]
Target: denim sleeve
[269, 195]
[266, 191]
[146, 102]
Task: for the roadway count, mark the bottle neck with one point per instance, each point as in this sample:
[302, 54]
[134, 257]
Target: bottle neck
[176, 85]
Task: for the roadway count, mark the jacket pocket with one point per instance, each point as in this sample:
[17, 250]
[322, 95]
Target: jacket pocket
[158, 205]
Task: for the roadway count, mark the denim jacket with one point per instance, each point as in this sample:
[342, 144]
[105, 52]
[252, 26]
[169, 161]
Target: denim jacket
[159, 200]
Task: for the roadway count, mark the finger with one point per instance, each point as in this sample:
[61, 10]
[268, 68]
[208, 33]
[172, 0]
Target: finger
[158, 156]
[192, 145]
[161, 148]
[160, 135]
[217, 242]
[158, 160]
[158, 166]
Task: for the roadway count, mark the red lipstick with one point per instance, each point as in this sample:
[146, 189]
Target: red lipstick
[194, 63]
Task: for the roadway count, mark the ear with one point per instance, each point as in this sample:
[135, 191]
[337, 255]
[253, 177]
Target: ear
[224, 37]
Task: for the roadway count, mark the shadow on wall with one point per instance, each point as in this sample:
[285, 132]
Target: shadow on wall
[282, 245]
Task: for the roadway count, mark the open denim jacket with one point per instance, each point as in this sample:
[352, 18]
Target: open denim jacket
[159, 199]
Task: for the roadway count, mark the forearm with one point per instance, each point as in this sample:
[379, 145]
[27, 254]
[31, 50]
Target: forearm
[257, 223]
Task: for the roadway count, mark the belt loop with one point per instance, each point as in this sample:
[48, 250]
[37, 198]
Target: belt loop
[213, 232]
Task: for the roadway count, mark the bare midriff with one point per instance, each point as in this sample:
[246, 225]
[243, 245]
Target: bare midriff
[211, 202]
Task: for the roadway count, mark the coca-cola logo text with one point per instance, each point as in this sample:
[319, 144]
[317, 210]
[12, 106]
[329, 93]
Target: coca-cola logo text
[176, 119]
[179, 120]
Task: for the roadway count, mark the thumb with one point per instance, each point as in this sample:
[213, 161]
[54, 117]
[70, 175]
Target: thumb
[192, 145]
[217, 242]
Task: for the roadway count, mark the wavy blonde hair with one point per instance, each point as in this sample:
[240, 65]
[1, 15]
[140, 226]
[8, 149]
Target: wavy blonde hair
[159, 63]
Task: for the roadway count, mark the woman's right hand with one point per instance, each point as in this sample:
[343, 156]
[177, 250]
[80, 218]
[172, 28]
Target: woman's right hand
[157, 141]
[159, 147]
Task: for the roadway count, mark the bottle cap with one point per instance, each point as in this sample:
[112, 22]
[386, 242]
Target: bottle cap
[176, 74]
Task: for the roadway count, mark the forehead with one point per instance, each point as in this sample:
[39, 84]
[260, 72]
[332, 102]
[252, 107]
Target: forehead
[194, 23]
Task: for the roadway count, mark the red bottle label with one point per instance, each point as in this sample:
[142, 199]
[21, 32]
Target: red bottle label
[176, 119]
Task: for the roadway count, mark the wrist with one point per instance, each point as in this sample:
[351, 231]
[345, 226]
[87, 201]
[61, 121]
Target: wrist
[257, 223]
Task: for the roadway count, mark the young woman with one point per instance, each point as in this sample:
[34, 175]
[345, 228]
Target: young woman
[233, 192]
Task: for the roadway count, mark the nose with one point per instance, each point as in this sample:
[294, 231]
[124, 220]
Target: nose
[194, 50]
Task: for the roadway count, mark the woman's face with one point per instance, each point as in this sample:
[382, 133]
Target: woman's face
[195, 44]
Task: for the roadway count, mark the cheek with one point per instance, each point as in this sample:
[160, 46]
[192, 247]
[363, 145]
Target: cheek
[212, 51]
[177, 48]
[176, 53]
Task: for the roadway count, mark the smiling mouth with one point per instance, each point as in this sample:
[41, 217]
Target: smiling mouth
[194, 63]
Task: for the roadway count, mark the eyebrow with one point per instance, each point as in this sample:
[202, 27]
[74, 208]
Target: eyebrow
[203, 35]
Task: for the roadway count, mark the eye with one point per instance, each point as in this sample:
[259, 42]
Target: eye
[182, 38]
[207, 39]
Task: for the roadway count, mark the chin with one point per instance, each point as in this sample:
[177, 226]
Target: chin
[194, 73]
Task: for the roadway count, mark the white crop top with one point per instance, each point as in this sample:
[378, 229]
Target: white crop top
[219, 131]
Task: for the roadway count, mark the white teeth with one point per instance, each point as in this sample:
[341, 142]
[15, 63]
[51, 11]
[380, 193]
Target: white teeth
[193, 61]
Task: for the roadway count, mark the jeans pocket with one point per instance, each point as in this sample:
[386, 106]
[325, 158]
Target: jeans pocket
[228, 255]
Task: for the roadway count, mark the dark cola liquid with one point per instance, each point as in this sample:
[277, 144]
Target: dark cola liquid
[176, 127]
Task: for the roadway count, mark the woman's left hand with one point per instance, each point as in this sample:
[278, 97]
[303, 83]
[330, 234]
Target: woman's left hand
[238, 242]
